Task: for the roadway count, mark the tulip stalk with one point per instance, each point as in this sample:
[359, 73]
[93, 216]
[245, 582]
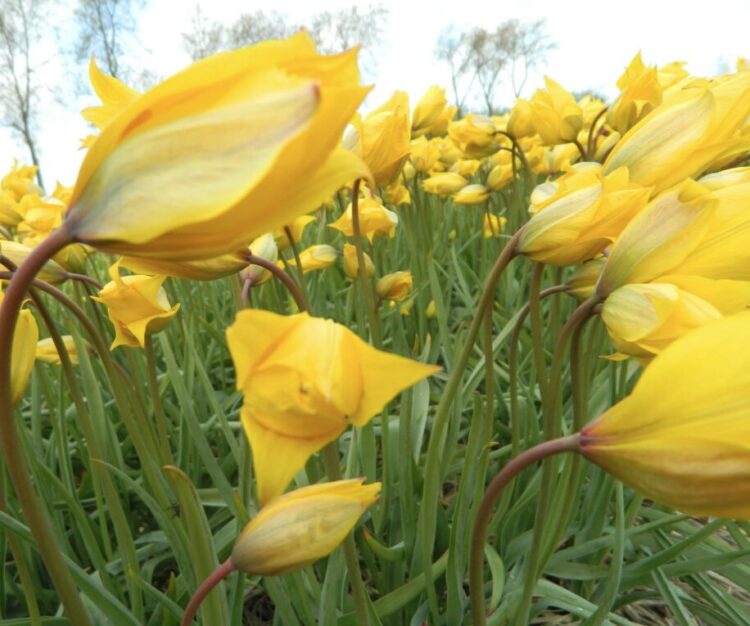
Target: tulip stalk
[484, 514]
[219, 574]
[36, 517]
[432, 474]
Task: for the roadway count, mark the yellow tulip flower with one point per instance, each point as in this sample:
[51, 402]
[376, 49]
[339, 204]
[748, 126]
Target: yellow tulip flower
[137, 306]
[20, 181]
[234, 146]
[466, 167]
[499, 177]
[382, 137]
[25, 337]
[578, 215]
[396, 286]
[265, 248]
[492, 225]
[428, 111]
[351, 264]
[423, 154]
[47, 352]
[374, 220]
[396, 193]
[304, 380]
[206, 269]
[640, 93]
[693, 127]
[555, 114]
[471, 194]
[550, 161]
[318, 257]
[444, 184]
[475, 135]
[682, 436]
[520, 123]
[642, 320]
[302, 526]
[296, 228]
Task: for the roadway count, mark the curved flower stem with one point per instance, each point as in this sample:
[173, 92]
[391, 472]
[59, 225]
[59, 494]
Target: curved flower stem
[298, 263]
[287, 280]
[83, 278]
[364, 287]
[515, 422]
[219, 574]
[479, 536]
[432, 473]
[581, 149]
[359, 593]
[33, 510]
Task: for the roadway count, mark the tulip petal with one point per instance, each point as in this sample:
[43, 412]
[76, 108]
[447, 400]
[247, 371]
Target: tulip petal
[25, 338]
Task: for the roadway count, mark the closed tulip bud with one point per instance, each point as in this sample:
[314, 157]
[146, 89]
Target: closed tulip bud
[206, 269]
[449, 151]
[681, 437]
[265, 248]
[499, 177]
[15, 252]
[642, 320]
[582, 283]
[304, 380]
[466, 167]
[318, 257]
[296, 228]
[693, 127]
[428, 111]
[302, 526]
[137, 306]
[471, 194]
[492, 225]
[382, 137]
[351, 263]
[444, 184]
[46, 351]
[236, 145]
[396, 286]
[431, 310]
[640, 93]
[556, 116]
[475, 135]
[520, 122]
[580, 214]
[659, 238]
[374, 220]
[25, 337]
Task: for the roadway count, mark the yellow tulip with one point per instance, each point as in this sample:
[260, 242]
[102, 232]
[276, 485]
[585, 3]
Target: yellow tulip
[642, 320]
[556, 116]
[374, 220]
[475, 135]
[520, 123]
[351, 264]
[423, 154]
[302, 526]
[296, 228]
[318, 257]
[427, 113]
[441, 124]
[550, 161]
[265, 248]
[693, 127]
[115, 96]
[51, 271]
[236, 145]
[492, 225]
[580, 214]
[471, 194]
[47, 352]
[499, 177]
[640, 93]
[396, 193]
[304, 380]
[396, 286]
[444, 184]
[20, 181]
[25, 337]
[382, 137]
[137, 306]
[466, 167]
[682, 436]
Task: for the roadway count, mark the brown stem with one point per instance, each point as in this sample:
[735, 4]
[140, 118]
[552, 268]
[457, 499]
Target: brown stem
[282, 276]
[214, 578]
[85, 279]
[484, 514]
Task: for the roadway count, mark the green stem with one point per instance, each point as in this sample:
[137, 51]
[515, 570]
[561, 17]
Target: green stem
[33, 509]
[159, 415]
[364, 285]
[359, 593]
[432, 472]
[481, 523]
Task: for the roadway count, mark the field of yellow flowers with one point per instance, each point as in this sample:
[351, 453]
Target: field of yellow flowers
[273, 361]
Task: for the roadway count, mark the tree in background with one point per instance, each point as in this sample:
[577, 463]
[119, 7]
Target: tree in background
[334, 31]
[22, 24]
[478, 57]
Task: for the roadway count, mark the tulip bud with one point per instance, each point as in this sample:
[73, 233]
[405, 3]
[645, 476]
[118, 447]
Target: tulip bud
[444, 184]
[302, 526]
[317, 257]
[396, 286]
[351, 263]
[520, 123]
[428, 111]
[265, 248]
[681, 437]
[492, 225]
[46, 351]
[471, 194]
[374, 220]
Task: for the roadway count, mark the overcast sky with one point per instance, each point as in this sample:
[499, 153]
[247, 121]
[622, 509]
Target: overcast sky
[595, 41]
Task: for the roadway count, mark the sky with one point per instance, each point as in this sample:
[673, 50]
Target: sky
[593, 46]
